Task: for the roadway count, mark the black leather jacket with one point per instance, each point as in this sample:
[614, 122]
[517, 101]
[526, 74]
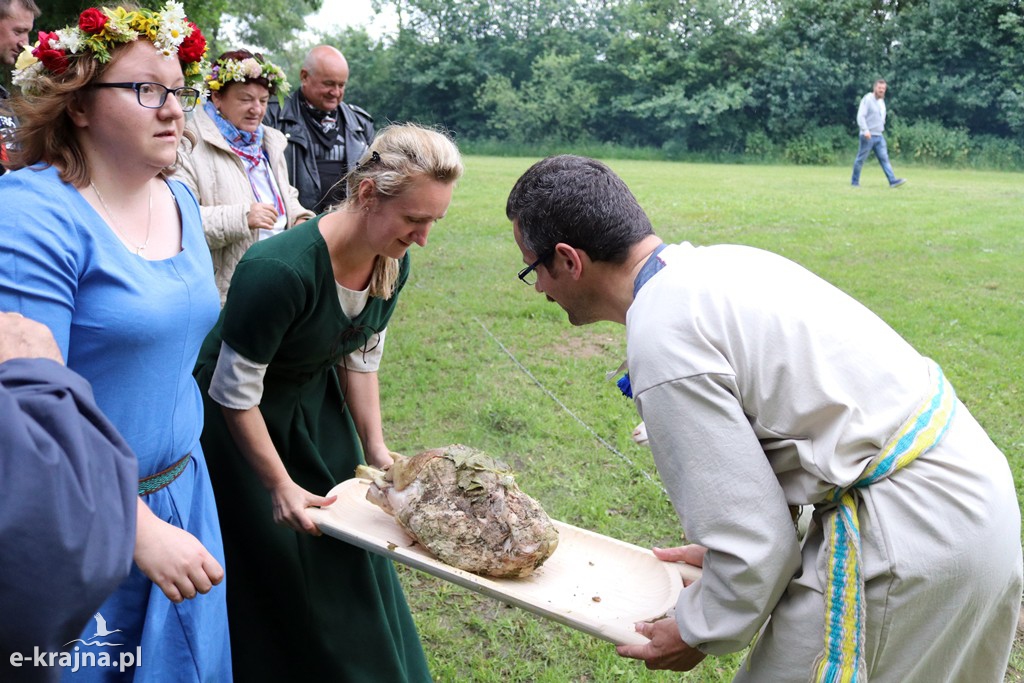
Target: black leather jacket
[301, 162]
[7, 124]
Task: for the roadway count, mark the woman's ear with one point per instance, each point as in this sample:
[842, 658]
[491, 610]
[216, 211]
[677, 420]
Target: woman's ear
[215, 97]
[77, 110]
[366, 194]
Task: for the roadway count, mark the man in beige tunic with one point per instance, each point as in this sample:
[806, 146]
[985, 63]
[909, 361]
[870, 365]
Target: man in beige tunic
[764, 388]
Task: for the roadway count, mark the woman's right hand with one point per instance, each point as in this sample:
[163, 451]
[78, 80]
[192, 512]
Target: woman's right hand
[173, 558]
[290, 503]
[261, 216]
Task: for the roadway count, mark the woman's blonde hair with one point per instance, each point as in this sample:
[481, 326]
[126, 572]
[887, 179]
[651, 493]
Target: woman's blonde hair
[45, 132]
[398, 155]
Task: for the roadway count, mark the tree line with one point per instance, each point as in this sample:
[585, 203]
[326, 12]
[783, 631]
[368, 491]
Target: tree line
[767, 78]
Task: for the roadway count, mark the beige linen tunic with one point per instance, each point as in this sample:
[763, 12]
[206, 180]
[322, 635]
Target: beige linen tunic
[217, 177]
[763, 386]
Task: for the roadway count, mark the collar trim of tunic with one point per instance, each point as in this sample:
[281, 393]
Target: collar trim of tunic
[653, 265]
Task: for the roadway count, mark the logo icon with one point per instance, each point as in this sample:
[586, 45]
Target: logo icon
[101, 632]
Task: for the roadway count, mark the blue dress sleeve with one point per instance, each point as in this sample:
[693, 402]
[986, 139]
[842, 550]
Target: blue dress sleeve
[41, 249]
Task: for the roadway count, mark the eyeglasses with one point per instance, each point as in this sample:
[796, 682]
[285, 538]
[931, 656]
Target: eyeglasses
[529, 274]
[154, 95]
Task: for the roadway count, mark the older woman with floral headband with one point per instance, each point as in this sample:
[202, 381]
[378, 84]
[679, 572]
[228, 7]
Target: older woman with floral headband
[237, 167]
[97, 243]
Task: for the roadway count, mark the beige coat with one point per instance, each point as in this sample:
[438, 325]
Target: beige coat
[217, 177]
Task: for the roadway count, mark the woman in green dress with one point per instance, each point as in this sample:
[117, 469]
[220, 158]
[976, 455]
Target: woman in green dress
[289, 377]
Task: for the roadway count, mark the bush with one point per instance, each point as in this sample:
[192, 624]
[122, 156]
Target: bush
[759, 144]
[991, 152]
[819, 146]
[930, 142]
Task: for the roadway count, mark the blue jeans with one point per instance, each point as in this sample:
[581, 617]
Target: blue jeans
[875, 142]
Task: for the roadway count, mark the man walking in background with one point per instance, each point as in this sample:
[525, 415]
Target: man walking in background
[871, 121]
[326, 136]
[16, 19]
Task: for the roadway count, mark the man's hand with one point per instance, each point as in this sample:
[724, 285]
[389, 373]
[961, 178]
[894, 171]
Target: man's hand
[867, 135]
[691, 554]
[24, 338]
[666, 649]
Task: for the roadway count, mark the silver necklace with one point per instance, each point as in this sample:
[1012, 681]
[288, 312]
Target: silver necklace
[149, 220]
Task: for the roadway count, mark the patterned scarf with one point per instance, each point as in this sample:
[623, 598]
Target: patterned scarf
[249, 146]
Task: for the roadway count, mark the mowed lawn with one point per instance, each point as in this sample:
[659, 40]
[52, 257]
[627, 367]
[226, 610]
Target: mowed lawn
[476, 357]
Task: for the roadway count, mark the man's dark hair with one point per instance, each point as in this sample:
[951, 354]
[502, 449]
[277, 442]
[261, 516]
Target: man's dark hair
[578, 201]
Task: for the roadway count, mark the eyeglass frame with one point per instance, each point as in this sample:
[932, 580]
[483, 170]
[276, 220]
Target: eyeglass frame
[136, 85]
[525, 272]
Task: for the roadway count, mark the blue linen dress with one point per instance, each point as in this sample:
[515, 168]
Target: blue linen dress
[133, 328]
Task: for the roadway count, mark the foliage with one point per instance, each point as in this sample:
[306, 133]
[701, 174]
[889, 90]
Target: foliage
[960, 64]
[262, 22]
[553, 105]
[931, 142]
[818, 146]
[715, 78]
[269, 22]
[759, 145]
[989, 151]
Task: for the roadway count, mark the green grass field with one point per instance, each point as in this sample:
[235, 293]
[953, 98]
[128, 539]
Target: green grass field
[476, 357]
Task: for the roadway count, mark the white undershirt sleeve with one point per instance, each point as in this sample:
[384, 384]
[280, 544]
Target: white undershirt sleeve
[237, 382]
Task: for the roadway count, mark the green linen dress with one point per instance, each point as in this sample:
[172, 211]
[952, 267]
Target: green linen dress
[301, 607]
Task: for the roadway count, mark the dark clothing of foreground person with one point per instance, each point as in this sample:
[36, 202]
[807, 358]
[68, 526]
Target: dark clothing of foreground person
[67, 501]
[764, 387]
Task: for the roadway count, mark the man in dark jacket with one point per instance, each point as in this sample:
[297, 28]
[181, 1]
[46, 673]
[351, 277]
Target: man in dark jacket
[326, 137]
[16, 19]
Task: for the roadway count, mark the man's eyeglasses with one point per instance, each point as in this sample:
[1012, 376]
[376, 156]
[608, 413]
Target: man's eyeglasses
[154, 95]
[529, 274]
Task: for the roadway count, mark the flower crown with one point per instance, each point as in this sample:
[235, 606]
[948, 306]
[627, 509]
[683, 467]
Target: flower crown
[225, 71]
[101, 29]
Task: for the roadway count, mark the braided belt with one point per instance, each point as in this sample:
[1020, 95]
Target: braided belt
[842, 660]
[157, 481]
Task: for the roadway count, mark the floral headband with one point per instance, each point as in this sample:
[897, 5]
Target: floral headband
[101, 29]
[225, 71]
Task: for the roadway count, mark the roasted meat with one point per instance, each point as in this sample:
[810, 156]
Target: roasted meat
[466, 509]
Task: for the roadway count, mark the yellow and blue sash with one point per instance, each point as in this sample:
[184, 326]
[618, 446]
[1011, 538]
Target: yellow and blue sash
[843, 658]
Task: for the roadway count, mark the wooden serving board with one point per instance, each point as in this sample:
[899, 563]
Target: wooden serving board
[593, 583]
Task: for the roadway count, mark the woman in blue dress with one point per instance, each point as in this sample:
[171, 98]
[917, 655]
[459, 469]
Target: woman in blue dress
[100, 245]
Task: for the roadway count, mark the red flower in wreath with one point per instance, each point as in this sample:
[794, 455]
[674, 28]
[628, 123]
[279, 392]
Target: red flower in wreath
[193, 47]
[92, 20]
[54, 60]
